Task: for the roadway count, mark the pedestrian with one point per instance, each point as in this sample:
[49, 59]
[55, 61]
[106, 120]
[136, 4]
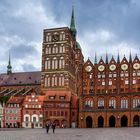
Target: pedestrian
[53, 127]
[47, 127]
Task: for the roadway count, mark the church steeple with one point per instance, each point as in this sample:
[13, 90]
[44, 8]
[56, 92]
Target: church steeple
[118, 59]
[106, 58]
[95, 60]
[72, 25]
[130, 57]
[9, 67]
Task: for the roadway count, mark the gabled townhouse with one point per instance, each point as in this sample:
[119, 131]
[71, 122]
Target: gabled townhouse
[33, 111]
[13, 112]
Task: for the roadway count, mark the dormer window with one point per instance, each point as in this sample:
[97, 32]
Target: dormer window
[62, 97]
[52, 97]
[33, 96]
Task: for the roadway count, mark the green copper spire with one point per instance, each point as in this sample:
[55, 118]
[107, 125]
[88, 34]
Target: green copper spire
[95, 60]
[9, 67]
[72, 25]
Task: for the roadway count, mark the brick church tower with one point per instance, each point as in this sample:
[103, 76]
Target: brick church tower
[61, 69]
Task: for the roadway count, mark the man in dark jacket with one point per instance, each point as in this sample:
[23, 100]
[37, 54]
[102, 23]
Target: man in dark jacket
[53, 127]
[47, 127]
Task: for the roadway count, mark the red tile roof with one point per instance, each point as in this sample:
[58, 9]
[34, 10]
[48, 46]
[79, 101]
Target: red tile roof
[20, 78]
[17, 100]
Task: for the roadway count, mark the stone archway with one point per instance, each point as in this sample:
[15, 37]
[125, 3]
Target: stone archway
[100, 121]
[124, 121]
[89, 122]
[112, 121]
[136, 121]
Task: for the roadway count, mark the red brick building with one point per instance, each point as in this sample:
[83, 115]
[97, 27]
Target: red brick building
[111, 93]
[61, 107]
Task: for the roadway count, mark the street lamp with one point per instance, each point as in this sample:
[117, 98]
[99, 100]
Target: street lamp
[81, 121]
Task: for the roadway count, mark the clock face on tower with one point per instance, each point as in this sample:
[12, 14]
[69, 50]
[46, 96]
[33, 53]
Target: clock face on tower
[124, 66]
[136, 66]
[101, 68]
[55, 37]
[88, 68]
[112, 67]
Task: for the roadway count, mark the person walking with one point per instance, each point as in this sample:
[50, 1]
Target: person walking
[47, 127]
[53, 127]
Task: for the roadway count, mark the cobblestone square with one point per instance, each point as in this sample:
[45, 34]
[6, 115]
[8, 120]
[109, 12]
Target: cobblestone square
[71, 134]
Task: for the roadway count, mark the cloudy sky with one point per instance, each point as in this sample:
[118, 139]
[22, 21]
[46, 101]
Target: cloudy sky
[102, 25]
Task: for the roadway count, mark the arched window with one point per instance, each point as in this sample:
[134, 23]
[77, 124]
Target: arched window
[47, 64]
[112, 103]
[88, 103]
[63, 36]
[47, 38]
[53, 50]
[124, 103]
[61, 63]
[61, 80]
[47, 81]
[136, 103]
[56, 63]
[100, 103]
[50, 38]
[53, 64]
[61, 49]
[56, 50]
[49, 50]
[54, 80]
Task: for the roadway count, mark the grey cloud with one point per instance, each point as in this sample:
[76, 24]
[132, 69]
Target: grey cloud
[29, 67]
[22, 51]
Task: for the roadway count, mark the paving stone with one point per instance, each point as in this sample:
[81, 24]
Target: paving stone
[71, 134]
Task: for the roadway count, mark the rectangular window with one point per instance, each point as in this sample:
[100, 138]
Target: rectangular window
[103, 76]
[40, 119]
[134, 81]
[126, 82]
[110, 82]
[103, 83]
[114, 75]
[26, 119]
[34, 119]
